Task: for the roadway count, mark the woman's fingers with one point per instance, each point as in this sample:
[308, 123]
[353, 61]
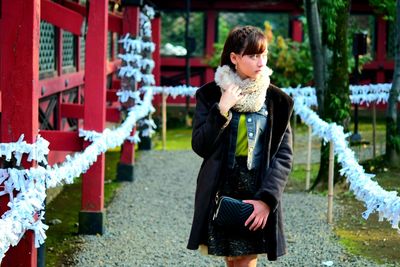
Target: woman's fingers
[251, 217]
[256, 223]
[259, 216]
[234, 89]
[264, 223]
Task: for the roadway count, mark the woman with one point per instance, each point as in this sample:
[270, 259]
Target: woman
[241, 130]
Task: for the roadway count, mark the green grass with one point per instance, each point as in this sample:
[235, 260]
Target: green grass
[177, 139]
[297, 178]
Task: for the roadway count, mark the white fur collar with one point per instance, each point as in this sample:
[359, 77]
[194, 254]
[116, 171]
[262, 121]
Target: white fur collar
[254, 91]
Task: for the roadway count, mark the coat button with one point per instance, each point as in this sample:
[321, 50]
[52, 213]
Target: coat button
[266, 112]
[251, 134]
[249, 119]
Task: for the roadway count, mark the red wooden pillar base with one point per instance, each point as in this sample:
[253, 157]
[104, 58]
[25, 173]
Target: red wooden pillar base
[126, 166]
[92, 222]
[145, 142]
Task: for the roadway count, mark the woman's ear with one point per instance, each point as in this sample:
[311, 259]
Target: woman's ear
[233, 57]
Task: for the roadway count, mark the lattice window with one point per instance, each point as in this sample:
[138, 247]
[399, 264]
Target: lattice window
[47, 61]
[116, 45]
[68, 49]
[48, 113]
[70, 96]
[82, 48]
[109, 45]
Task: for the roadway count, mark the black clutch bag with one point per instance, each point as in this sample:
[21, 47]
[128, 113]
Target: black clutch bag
[231, 212]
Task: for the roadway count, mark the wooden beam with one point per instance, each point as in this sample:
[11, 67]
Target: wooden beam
[112, 95]
[71, 110]
[61, 83]
[75, 7]
[113, 115]
[115, 23]
[62, 17]
[114, 20]
[63, 141]
[76, 111]
[180, 62]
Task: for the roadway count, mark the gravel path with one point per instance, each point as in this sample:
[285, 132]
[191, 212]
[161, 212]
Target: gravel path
[149, 220]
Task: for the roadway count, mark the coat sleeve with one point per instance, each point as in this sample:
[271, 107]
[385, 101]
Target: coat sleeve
[208, 124]
[276, 176]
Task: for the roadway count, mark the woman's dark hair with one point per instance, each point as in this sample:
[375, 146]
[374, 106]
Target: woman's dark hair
[246, 40]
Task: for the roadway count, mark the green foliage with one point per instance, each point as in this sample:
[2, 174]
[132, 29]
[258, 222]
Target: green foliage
[339, 107]
[337, 103]
[173, 24]
[329, 11]
[215, 59]
[228, 20]
[386, 8]
[290, 60]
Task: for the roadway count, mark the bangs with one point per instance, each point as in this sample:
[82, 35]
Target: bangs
[257, 44]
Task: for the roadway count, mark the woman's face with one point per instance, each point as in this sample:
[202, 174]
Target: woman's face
[249, 66]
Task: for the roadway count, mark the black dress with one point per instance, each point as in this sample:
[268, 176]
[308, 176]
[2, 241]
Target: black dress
[239, 183]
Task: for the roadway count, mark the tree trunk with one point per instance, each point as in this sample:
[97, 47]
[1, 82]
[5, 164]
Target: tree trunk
[336, 98]
[392, 121]
[317, 54]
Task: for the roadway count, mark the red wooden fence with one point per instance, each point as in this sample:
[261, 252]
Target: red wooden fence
[21, 89]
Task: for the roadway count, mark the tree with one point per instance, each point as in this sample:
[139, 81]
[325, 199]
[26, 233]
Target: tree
[392, 118]
[317, 51]
[330, 38]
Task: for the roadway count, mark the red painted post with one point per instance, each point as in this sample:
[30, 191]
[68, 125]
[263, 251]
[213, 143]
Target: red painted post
[19, 82]
[297, 27]
[125, 172]
[92, 215]
[210, 40]
[156, 39]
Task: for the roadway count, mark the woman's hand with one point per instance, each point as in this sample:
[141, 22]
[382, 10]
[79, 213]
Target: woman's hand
[229, 97]
[259, 215]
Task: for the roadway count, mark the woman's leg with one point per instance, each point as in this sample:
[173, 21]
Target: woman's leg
[246, 261]
[229, 262]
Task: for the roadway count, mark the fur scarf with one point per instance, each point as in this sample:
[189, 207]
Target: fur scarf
[253, 91]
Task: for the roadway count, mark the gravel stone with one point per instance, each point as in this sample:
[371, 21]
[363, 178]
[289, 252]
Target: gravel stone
[149, 220]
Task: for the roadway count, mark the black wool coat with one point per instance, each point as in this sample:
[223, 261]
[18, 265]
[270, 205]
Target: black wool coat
[209, 141]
